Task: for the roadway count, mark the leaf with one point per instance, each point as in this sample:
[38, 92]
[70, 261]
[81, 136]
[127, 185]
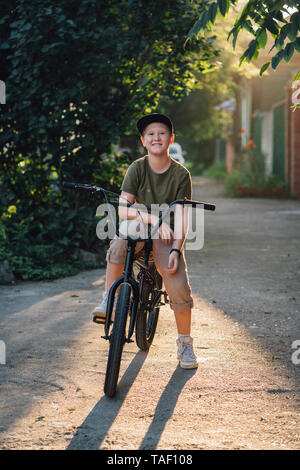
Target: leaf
[251, 49]
[292, 31]
[297, 44]
[277, 5]
[297, 77]
[213, 12]
[288, 51]
[223, 6]
[243, 58]
[245, 11]
[279, 16]
[205, 19]
[236, 27]
[277, 58]
[279, 42]
[235, 35]
[295, 19]
[264, 68]
[256, 54]
[262, 37]
[194, 31]
[271, 26]
[248, 26]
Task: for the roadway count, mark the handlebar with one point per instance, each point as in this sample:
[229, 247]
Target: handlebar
[92, 188]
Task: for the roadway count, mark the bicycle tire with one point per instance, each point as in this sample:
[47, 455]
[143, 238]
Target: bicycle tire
[146, 321]
[117, 340]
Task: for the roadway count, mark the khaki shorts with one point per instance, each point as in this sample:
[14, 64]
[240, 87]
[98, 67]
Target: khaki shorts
[177, 285]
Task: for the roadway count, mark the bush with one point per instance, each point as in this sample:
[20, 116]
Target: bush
[249, 179]
[41, 236]
[194, 169]
[46, 248]
[216, 170]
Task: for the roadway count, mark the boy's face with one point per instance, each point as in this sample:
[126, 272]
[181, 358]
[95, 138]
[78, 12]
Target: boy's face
[157, 138]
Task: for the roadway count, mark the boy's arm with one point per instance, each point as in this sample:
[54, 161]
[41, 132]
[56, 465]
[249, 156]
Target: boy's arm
[181, 226]
[132, 213]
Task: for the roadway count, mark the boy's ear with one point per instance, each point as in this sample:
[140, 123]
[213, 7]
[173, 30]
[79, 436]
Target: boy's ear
[142, 140]
[172, 138]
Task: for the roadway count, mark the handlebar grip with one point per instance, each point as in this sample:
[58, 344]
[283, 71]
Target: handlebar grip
[209, 207]
[69, 185]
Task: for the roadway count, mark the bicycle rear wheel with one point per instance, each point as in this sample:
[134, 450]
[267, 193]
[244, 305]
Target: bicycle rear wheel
[147, 315]
[117, 340]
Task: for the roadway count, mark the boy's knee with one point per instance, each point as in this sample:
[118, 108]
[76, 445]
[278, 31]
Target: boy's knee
[116, 252]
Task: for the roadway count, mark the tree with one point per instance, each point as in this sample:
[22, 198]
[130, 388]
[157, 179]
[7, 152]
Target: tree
[200, 117]
[278, 18]
[78, 74]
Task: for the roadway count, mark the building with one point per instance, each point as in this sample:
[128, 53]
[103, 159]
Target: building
[264, 113]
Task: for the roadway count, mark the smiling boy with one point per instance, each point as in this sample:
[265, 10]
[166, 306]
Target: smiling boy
[158, 179]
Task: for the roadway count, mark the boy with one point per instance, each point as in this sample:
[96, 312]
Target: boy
[156, 179]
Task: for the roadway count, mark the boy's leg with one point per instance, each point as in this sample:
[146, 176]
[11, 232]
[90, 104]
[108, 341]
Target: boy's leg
[177, 284]
[113, 271]
[183, 321]
[115, 258]
[181, 302]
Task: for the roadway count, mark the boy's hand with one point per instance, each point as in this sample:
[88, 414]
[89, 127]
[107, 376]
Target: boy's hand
[166, 233]
[173, 262]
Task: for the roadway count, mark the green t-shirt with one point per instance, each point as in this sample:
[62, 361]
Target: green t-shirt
[150, 187]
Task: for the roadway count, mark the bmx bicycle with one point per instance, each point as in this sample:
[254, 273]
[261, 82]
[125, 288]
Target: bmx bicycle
[140, 294]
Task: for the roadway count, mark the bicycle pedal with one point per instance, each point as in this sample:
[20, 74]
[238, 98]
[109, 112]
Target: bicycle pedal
[129, 340]
[99, 320]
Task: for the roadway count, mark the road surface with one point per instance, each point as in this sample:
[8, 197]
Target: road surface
[245, 393]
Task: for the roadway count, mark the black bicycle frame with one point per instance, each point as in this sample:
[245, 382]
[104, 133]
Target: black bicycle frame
[126, 277]
[128, 268]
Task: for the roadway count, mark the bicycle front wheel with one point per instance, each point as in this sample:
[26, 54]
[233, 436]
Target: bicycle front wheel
[117, 340]
[147, 316]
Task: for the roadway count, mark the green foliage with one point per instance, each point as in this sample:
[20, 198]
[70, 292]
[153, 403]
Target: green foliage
[78, 75]
[260, 19]
[44, 245]
[217, 170]
[249, 178]
[199, 118]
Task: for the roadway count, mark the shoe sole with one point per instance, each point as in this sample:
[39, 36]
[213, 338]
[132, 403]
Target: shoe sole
[192, 366]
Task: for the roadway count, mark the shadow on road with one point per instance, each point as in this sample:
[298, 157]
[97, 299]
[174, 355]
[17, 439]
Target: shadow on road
[92, 432]
[95, 427]
[165, 407]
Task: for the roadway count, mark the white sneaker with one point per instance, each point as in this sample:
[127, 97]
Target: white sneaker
[185, 353]
[100, 310]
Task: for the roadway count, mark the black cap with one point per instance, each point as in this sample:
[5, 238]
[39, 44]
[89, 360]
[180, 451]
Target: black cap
[154, 117]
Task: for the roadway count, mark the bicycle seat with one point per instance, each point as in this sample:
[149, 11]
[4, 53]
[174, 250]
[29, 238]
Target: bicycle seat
[141, 256]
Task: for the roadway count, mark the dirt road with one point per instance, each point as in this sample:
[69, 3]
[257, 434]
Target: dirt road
[245, 393]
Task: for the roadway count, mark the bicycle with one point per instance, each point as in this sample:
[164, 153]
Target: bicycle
[140, 292]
